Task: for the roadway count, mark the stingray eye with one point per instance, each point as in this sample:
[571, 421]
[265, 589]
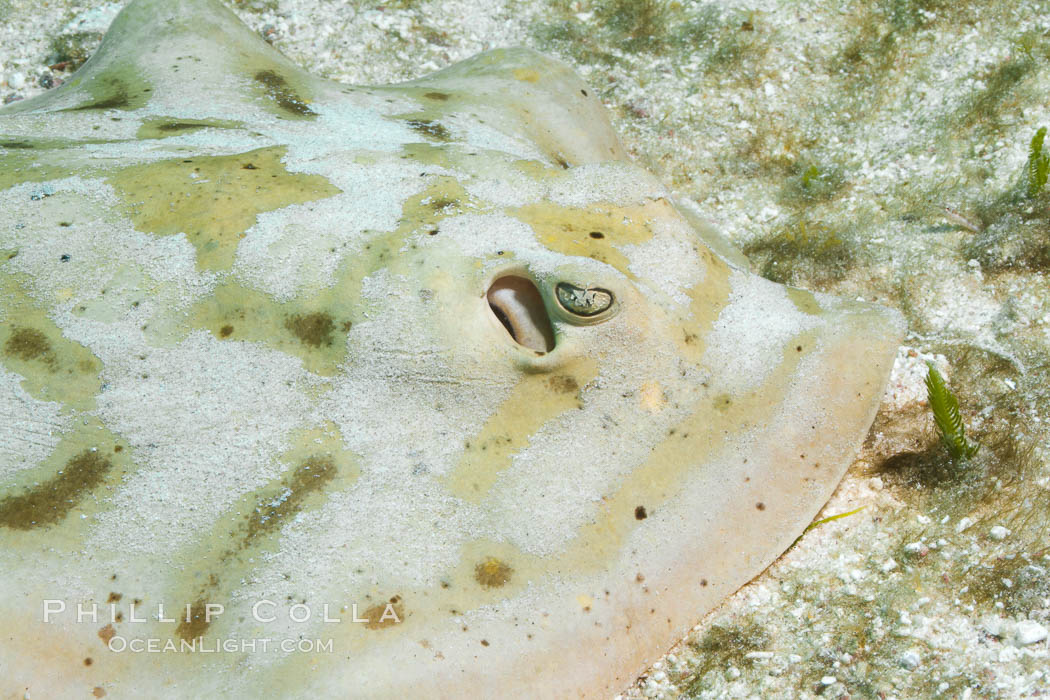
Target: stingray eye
[589, 305]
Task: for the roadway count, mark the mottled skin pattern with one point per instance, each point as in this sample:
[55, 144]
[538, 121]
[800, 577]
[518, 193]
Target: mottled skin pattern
[247, 354]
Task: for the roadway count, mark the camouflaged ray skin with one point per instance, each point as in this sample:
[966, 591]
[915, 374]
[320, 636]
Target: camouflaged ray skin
[248, 359]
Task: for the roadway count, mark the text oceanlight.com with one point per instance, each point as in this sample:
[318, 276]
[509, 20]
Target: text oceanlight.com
[231, 645]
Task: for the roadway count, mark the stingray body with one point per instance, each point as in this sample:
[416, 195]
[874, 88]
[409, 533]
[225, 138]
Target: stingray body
[312, 390]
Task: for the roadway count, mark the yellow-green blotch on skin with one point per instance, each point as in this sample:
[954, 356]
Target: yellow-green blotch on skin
[536, 399]
[164, 127]
[316, 463]
[313, 329]
[213, 199]
[597, 232]
[53, 367]
[77, 477]
[40, 160]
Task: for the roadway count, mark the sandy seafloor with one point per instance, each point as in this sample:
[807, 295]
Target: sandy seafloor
[873, 149]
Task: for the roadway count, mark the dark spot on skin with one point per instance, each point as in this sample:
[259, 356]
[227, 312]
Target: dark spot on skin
[760, 506]
[439, 96]
[178, 126]
[313, 329]
[193, 625]
[640, 514]
[271, 513]
[430, 129]
[639, 578]
[439, 205]
[28, 344]
[798, 348]
[703, 582]
[114, 597]
[226, 331]
[375, 614]
[563, 383]
[117, 99]
[484, 642]
[492, 573]
[88, 661]
[49, 502]
[278, 90]
[597, 235]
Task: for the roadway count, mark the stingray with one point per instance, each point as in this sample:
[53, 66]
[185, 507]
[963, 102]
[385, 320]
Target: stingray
[317, 390]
